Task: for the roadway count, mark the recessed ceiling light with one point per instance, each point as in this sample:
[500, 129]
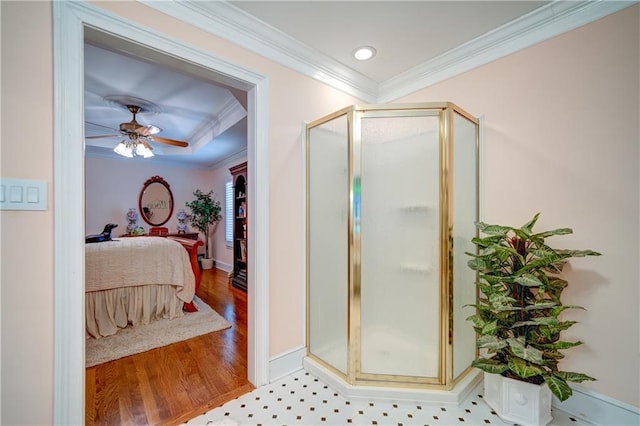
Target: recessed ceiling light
[364, 53]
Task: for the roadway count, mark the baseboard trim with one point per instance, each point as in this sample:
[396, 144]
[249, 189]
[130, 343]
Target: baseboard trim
[598, 409]
[452, 397]
[223, 266]
[286, 363]
[584, 404]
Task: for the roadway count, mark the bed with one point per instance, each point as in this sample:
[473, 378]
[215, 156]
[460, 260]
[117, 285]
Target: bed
[136, 280]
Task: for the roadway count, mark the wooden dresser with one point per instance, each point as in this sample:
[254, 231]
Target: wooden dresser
[187, 235]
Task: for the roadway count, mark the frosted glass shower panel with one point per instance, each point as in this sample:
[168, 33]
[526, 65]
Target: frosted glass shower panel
[328, 209]
[400, 275]
[465, 200]
[392, 198]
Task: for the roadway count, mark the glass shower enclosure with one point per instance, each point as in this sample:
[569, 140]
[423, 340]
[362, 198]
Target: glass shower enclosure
[392, 197]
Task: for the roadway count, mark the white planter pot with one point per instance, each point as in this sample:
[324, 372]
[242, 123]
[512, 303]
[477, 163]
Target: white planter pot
[516, 401]
[206, 263]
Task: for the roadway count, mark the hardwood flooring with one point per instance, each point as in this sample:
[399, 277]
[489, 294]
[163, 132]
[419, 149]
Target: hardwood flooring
[172, 384]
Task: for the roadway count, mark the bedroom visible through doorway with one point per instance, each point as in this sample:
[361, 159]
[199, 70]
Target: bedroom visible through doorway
[71, 20]
[199, 360]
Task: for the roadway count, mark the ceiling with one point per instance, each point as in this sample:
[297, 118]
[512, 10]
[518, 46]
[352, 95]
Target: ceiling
[196, 109]
[404, 33]
[193, 105]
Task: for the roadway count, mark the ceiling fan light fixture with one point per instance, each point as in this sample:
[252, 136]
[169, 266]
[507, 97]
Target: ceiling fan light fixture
[139, 135]
[123, 149]
[132, 149]
[364, 53]
[143, 151]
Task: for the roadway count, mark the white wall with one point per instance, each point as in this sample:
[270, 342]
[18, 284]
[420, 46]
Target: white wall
[562, 137]
[113, 187]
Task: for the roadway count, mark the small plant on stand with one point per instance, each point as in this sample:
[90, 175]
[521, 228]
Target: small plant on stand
[205, 212]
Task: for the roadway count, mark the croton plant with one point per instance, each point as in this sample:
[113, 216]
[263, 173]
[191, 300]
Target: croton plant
[517, 317]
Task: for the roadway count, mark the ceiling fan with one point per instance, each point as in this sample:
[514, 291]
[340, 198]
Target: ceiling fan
[137, 136]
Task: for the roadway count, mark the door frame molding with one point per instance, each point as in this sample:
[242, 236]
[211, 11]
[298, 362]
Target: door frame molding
[69, 21]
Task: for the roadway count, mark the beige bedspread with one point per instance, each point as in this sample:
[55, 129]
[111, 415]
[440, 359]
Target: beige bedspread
[130, 262]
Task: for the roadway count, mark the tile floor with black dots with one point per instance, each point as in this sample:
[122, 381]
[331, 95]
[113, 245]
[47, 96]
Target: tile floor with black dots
[302, 399]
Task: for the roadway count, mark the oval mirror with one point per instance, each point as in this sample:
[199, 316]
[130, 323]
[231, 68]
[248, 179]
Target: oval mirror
[156, 201]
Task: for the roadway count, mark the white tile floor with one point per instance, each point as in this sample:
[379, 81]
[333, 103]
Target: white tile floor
[302, 399]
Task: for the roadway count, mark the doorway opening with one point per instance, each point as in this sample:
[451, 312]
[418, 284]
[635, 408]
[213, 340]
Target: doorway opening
[71, 20]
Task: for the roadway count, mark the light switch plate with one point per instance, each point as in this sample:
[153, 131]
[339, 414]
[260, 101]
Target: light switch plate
[23, 194]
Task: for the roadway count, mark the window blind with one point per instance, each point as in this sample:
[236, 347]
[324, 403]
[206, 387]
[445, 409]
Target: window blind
[228, 189]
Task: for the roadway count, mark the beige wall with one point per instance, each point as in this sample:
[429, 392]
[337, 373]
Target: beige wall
[561, 137]
[27, 81]
[27, 237]
[289, 96]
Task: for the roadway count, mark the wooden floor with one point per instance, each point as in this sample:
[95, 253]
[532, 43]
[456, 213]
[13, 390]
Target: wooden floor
[172, 384]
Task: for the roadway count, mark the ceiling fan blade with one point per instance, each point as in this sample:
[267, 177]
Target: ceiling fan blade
[168, 141]
[100, 125]
[148, 130]
[103, 136]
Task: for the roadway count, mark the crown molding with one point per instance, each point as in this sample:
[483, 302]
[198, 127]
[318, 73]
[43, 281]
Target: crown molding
[231, 23]
[231, 159]
[234, 24]
[228, 115]
[70, 20]
[537, 26]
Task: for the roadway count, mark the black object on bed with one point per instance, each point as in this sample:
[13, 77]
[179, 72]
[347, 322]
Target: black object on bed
[105, 236]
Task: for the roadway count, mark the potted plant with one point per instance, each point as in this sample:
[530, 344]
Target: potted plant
[205, 212]
[518, 320]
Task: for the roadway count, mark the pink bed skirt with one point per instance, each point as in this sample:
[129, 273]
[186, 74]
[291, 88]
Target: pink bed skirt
[107, 311]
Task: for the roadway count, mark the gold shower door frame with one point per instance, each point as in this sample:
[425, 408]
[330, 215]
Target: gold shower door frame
[445, 112]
